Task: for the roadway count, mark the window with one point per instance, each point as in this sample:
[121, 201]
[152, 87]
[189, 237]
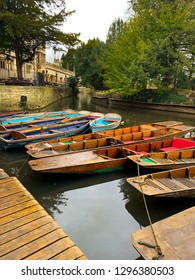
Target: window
[28, 69]
[2, 64]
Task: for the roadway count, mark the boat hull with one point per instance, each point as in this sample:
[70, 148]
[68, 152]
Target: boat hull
[5, 144]
[173, 183]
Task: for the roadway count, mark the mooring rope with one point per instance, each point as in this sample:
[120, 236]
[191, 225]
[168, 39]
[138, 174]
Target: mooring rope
[156, 246]
[22, 165]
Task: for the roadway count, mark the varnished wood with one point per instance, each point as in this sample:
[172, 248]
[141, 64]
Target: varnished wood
[165, 160]
[175, 235]
[173, 183]
[27, 231]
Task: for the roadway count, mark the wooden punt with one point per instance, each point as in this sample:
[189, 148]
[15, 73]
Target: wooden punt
[133, 130]
[50, 144]
[46, 150]
[147, 133]
[139, 128]
[165, 160]
[16, 139]
[18, 118]
[170, 183]
[161, 146]
[139, 134]
[71, 147]
[109, 121]
[97, 161]
[46, 121]
[175, 236]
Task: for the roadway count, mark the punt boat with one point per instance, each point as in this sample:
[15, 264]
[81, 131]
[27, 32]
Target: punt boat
[16, 139]
[165, 160]
[143, 134]
[89, 162]
[178, 182]
[107, 122]
[31, 125]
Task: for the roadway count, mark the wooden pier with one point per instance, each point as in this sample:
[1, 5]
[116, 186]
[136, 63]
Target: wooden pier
[27, 231]
[175, 235]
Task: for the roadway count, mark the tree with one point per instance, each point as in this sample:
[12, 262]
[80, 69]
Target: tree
[73, 83]
[156, 47]
[26, 25]
[68, 59]
[88, 62]
[114, 30]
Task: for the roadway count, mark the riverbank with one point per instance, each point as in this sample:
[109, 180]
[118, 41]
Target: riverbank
[114, 102]
[16, 98]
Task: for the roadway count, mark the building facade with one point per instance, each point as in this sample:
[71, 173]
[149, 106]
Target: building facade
[53, 73]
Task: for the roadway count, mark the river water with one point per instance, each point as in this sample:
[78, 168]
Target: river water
[98, 212]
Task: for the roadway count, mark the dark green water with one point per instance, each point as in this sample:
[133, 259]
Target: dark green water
[98, 212]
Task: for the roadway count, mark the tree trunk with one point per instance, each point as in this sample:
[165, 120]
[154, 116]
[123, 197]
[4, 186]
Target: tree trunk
[19, 64]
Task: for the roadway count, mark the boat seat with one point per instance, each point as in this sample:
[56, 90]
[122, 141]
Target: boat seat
[128, 142]
[148, 138]
[54, 131]
[179, 144]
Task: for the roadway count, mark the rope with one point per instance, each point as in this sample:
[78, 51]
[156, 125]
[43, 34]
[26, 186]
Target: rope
[22, 165]
[156, 246]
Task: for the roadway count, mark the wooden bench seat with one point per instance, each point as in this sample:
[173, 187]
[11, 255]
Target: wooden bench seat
[179, 143]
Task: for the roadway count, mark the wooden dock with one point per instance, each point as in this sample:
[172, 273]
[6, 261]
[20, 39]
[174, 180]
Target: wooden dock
[175, 235]
[27, 231]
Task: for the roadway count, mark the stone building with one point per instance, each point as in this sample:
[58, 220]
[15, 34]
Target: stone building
[53, 73]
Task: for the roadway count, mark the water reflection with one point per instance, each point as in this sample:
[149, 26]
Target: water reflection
[158, 208]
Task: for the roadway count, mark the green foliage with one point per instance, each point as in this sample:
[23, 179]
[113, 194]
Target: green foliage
[88, 63]
[68, 60]
[115, 30]
[159, 96]
[73, 83]
[155, 48]
[30, 24]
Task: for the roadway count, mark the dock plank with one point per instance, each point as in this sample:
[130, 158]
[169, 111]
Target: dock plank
[27, 231]
[175, 236]
[22, 221]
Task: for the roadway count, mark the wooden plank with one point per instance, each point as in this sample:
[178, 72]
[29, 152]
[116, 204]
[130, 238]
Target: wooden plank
[22, 221]
[175, 236]
[17, 208]
[15, 199]
[55, 248]
[70, 254]
[20, 214]
[24, 229]
[27, 231]
[27, 238]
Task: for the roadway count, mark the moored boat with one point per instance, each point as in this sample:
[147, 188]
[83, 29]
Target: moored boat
[16, 139]
[109, 121]
[140, 136]
[68, 147]
[172, 183]
[4, 116]
[89, 162]
[18, 118]
[165, 160]
[149, 132]
[169, 239]
[31, 125]
[161, 146]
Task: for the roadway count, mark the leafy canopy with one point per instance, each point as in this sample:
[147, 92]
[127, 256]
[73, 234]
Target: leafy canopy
[26, 25]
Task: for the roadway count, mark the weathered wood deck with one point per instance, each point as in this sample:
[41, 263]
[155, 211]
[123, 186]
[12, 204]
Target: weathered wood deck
[175, 236]
[27, 232]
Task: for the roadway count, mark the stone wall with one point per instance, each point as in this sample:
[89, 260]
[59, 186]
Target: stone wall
[16, 98]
